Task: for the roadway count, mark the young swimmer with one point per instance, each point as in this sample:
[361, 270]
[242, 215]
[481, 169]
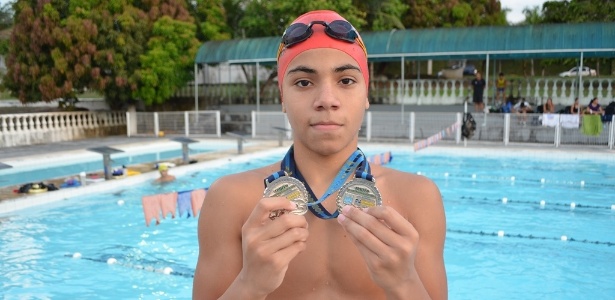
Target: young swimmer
[256, 246]
[164, 174]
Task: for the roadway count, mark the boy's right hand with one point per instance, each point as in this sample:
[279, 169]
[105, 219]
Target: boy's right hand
[269, 245]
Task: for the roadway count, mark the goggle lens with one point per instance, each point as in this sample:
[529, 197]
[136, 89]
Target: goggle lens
[338, 29]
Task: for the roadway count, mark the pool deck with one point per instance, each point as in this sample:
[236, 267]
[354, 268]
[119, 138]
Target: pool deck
[44, 153]
[48, 152]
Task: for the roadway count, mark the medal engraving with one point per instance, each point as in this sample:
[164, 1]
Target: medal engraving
[290, 188]
[360, 193]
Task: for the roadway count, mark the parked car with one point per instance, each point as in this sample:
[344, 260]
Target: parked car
[575, 72]
[456, 72]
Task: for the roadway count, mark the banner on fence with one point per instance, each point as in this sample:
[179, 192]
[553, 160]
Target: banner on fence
[449, 131]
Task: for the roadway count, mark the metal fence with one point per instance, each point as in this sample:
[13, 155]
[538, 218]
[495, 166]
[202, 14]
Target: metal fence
[547, 129]
[206, 123]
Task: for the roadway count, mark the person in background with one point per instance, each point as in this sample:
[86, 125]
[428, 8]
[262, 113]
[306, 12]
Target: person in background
[547, 107]
[164, 174]
[478, 85]
[575, 108]
[594, 108]
[254, 245]
[522, 108]
[500, 85]
[507, 107]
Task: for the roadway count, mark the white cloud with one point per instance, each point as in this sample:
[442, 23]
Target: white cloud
[516, 6]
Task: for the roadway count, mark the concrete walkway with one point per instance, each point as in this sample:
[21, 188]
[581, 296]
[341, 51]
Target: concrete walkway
[44, 149]
[42, 154]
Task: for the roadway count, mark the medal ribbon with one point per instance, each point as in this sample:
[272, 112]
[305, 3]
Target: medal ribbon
[356, 161]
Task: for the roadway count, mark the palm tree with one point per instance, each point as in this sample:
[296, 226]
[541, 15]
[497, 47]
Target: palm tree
[532, 16]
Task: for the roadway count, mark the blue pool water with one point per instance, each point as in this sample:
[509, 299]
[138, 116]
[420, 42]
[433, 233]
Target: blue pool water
[93, 162]
[528, 261]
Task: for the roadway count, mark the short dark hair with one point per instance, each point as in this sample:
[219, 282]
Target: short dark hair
[501, 74]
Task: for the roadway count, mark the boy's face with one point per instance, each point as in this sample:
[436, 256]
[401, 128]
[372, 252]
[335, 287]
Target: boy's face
[325, 98]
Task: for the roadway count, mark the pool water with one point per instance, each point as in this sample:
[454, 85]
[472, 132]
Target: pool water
[501, 242]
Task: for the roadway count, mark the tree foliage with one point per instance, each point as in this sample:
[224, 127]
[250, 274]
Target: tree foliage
[144, 49]
[382, 14]
[453, 13]
[574, 11]
[30, 63]
[270, 18]
[211, 19]
[578, 11]
[6, 15]
[532, 15]
[125, 49]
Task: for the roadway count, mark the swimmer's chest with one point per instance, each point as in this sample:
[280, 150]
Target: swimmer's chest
[331, 260]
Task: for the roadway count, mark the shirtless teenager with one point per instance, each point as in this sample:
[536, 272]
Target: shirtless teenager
[392, 251]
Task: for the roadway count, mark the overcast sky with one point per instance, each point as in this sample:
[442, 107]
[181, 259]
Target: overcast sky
[516, 14]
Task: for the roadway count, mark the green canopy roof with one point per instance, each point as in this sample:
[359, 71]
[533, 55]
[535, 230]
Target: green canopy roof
[499, 42]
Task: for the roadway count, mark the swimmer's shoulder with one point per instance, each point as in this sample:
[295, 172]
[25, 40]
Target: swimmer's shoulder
[408, 191]
[243, 184]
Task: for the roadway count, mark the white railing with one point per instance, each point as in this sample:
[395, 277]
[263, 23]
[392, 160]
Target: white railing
[550, 130]
[36, 128]
[406, 126]
[432, 91]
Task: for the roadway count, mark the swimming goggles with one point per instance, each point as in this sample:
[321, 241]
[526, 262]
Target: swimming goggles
[338, 29]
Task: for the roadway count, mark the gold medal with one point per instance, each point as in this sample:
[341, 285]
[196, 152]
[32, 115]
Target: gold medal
[360, 193]
[290, 188]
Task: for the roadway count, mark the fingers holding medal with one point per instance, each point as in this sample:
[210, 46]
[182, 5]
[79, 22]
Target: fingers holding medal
[291, 189]
[360, 193]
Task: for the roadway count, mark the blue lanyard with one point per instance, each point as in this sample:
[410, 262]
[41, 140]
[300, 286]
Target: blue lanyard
[355, 161]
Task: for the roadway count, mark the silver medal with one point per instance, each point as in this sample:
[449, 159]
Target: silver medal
[359, 192]
[290, 188]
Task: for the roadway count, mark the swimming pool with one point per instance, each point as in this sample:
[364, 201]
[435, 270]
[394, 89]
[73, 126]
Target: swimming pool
[501, 242]
[87, 161]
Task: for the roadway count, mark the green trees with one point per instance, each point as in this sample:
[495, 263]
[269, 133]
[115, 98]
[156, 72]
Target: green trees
[29, 60]
[126, 50]
[132, 50]
[443, 13]
[573, 11]
[578, 11]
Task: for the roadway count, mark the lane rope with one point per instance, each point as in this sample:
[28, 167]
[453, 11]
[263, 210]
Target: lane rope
[502, 234]
[541, 203]
[541, 181]
[114, 261]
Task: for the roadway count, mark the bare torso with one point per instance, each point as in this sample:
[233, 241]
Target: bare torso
[330, 267]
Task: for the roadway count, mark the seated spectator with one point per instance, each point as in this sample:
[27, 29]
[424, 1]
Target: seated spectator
[594, 108]
[507, 107]
[610, 109]
[575, 108]
[522, 108]
[547, 107]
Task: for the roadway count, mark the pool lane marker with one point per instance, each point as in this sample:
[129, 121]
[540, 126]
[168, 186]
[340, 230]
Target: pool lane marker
[543, 203]
[113, 261]
[513, 179]
[502, 234]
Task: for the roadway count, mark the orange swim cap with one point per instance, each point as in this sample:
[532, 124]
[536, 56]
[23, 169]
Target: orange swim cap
[319, 39]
